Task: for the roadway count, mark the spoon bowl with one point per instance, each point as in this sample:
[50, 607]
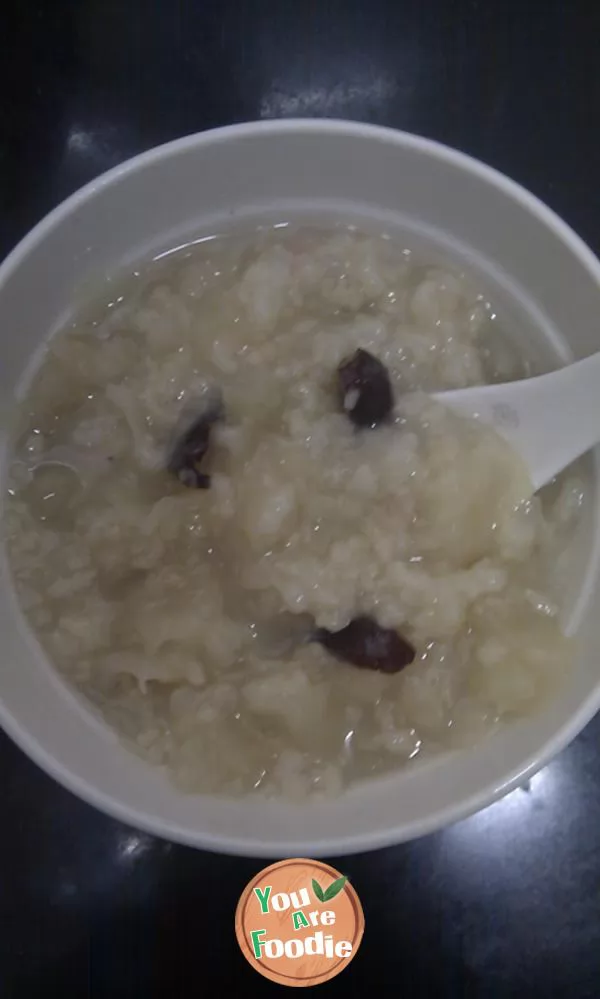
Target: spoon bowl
[550, 420]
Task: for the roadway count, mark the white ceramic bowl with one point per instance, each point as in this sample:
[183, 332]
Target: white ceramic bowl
[156, 200]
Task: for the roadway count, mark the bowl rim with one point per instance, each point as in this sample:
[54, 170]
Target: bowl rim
[393, 833]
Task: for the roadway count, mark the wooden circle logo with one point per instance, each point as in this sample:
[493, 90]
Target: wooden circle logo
[299, 922]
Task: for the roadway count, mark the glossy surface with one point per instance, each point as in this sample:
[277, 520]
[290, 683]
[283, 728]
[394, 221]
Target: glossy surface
[505, 903]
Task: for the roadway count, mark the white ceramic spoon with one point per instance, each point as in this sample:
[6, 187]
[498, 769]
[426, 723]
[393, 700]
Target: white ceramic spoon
[550, 420]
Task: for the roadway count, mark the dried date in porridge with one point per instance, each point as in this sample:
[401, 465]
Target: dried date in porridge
[366, 644]
[191, 447]
[365, 389]
[186, 615]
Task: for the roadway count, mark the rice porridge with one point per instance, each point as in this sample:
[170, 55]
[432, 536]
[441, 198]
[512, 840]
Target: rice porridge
[240, 526]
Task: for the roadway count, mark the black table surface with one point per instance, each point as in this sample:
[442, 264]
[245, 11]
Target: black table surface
[506, 903]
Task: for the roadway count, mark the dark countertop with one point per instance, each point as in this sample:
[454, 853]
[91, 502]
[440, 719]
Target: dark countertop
[506, 903]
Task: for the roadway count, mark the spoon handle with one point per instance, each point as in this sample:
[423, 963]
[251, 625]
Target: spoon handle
[550, 419]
